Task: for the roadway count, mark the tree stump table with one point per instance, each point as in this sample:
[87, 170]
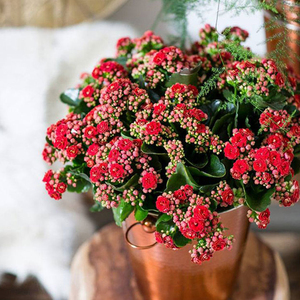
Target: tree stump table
[101, 271]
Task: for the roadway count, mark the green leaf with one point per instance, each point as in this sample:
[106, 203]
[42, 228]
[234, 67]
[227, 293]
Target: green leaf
[181, 177]
[186, 76]
[140, 214]
[163, 218]
[198, 160]
[229, 96]
[222, 123]
[207, 188]
[296, 165]
[133, 181]
[150, 149]
[122, 212]
[97, 207]
[166, 227]
[122, 60]
[82, 186]
[126, 135]
[297, 150]
[70, 97]
[215, 168]
[180, 240]
[258, 201]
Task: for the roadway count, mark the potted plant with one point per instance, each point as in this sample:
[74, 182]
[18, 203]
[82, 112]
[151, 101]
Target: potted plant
[188, 144]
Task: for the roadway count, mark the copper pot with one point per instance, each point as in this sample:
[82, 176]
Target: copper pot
[163, 274]
[285, 30]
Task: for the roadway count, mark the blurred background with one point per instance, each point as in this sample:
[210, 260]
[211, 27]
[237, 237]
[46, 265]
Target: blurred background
[45, 46]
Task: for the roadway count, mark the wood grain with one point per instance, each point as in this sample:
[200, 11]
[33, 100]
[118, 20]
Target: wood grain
[101, 271]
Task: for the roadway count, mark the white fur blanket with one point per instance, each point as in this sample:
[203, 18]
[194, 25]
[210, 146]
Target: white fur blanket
[37, 234]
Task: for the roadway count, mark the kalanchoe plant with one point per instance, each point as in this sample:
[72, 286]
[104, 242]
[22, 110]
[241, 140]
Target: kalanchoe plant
[183, 135]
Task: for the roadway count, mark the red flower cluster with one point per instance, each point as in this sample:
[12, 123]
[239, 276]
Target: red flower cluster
[54, 186]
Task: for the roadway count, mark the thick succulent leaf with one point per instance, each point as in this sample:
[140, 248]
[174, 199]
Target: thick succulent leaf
[133, 181]
[180, 240]
[122, 212]
[163, 218]
[97, 207]
[186, 76]
[140, 214]
[215, 168]
[181, 177]
[150, 149]
[258, 201]
[70, 97]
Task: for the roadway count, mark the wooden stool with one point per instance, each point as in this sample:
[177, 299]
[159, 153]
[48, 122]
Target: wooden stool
[101, 271]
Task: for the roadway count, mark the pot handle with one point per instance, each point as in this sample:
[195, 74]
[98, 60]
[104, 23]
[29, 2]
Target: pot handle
[134, 245]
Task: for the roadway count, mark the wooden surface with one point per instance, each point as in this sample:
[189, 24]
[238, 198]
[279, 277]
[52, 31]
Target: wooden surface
[29, 289]
[101, 270]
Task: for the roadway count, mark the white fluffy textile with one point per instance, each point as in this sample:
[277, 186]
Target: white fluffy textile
[37, 234]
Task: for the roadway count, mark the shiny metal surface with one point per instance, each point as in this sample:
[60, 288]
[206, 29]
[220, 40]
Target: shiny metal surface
[163, 274]
[287, 29]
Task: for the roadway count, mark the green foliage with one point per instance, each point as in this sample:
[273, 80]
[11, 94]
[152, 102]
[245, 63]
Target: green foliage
[70, 97]
[180, 240]
[122, 212]
[211, 83]
[186, 76]
[96, 207]
[140, 214]
[181, 177]
[258, 200]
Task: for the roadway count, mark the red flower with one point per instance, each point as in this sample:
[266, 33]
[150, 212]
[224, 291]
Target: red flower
[180, 195]
[90, 132]
[178, 88]
[153, 128]
[264, 216]
[159, 108]
[95, 173]
[55, 195]
[48, 176]
[227, 196]
[103, 168]
[295, 191]
[193, 89]
[294, 131]
[239, 140]
[231, 152]
[61, 187]
[219, 245]
[149, 181]
[125, 144]
[113, 87]
[87, 91]
[60, 143]
[201, 128]
[158, 237]
[188, 189]
[159, 58]
[116, 171]
[259, 165]
[274, 140]
[93, 149]
[72, 151]
[284, 168]
[197, 225]
[61, 130]
[188, 233]
[262, 153]
[95, 73]
[102, 127]
[137, 142]
[113, 155]
[279, 80]
[240, 166]
[275, 158]
[198, 114]
[201, 212]
[163, 204]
